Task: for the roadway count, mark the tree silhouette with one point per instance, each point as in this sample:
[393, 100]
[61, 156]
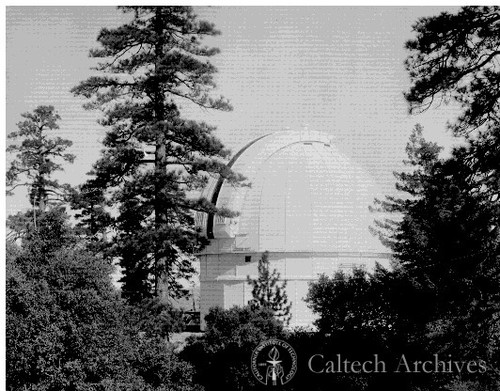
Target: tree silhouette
[268, 293]
[154, 159]
[37, 158]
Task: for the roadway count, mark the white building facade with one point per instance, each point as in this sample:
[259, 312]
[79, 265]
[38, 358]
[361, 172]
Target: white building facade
[307, 205]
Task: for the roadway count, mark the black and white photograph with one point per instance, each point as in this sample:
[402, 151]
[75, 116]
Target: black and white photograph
[252, 197]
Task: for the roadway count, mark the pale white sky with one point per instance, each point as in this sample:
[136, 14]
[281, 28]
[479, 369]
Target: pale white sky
[333, 69]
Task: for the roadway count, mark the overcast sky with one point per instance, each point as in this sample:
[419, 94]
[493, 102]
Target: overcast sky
[337, 70]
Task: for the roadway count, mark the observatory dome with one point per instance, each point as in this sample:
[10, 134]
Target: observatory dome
[304, 195]
[306, 203]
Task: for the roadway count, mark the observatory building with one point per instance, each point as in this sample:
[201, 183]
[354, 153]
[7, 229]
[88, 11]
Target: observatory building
[307, 205]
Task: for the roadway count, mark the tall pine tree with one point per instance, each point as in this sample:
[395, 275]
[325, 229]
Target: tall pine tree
[38, 155]
[446, 243]
[149, 66]
[454, 57]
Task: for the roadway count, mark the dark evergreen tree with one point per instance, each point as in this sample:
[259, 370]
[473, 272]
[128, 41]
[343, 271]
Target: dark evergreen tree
[94, 220]
[447, 243]
[454, 57]
[268, 293]
[422, 157]
[443, 295]
[38, 157]
[151, 65]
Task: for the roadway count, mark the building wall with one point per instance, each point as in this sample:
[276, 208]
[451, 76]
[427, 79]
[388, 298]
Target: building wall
[223, 275]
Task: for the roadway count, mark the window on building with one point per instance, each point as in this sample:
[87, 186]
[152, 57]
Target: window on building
[248, 258]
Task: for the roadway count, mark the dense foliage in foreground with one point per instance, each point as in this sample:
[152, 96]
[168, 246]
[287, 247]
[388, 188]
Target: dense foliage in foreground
[67, 327]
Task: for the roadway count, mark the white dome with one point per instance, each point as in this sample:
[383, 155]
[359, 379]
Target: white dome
[305, 196]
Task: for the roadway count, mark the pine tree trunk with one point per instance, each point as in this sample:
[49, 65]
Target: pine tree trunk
[160, 158]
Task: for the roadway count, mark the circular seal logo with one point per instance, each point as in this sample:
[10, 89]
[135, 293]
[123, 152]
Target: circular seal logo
[274, 362]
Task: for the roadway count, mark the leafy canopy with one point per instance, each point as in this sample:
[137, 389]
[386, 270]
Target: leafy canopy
[67, 328]
[226, 346]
